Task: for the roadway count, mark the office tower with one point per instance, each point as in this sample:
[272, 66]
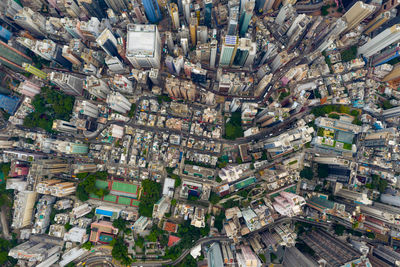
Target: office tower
[297, 28]
[84, 167]
[228, 51]
[31, 21]
[246, 257]
[263, 6]
[208, 5]
[251, 55]
[108, 42]
[284, 13]
[357, 13]
[95, 8]
[393, 78]
[12, 58]
[242, 52]
[170, 41]
[87, 108]
[90, 29]
[193, 31]
[233, 20]
[154, 76]
[118, 102]
[143, 46]
[379, 42]
[186, 10]
[118, 5]
[174, 12]
[185, 45]
[69, 55]
[35, 71]
[114, 64]
[213, 53]
[169, 62]
[97, 87]
[246, 16]
[139, 16]
[23, 208]
[214, 255]
[69, 147]
[9, 8]
[294, 257]
[386, 55]
[178, 64]
[72, 8]
[28, 88]
[121, 84]
[378, 21]
[202, 34]
[68, 83]
[64, 126]
[152, 10]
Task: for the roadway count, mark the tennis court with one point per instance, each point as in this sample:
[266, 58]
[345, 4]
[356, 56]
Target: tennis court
[135, 203]
[124, 187]
[110, 198]
[124, 201]
[101, 184]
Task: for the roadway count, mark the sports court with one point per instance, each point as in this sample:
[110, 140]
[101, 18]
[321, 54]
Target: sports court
[120, 193]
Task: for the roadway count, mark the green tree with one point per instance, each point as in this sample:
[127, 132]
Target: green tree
[173, 202]
[120, 252]
[121, 225]
[88, 245]
[132, 111]
[218, 179]
[214, 198]
[339, 229]
[151, 194]
[67, 226]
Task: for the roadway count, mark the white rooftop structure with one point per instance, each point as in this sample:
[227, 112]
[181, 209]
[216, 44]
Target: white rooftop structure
[143, 46]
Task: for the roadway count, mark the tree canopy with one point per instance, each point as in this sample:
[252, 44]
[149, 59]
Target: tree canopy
[150, 195]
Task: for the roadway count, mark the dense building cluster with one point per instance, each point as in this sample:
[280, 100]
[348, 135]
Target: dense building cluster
[199, 133]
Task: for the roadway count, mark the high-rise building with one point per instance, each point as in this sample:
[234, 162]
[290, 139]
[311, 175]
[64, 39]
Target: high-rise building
[246, 16]
[357, 13]
[95, 8]
[114, 64]
[186, 10]
[35, 71]
[31, 21]
[117, 5]
[386, 55]
[228, 51]
[72, 8]
[264, 5]
[108, 42]
[69, 83]
[213, 52]
[143, 46]
[246, 257]
[118, 102]
[12, 58]
[233, 20]
[9, 8]
[242, 52]
[378, 21]
[86, 108]
[381, 41]
[97, 87]
[214, 255]
[284, 13]
[9, 103]
[208, 5]
[394, 79]
[174, 12]
[193, 30]
[64, 126]
[152, 10]
[28, 88]
[23, 208]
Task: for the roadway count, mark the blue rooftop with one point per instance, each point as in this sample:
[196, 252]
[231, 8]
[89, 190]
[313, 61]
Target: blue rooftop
[9, 103]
